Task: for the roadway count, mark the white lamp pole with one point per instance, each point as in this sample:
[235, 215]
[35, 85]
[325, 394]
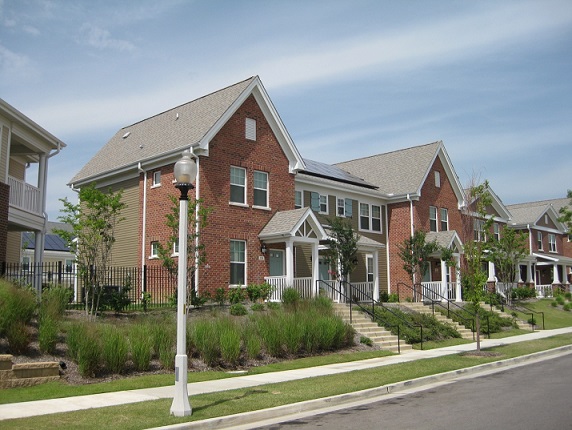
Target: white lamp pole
[185, 173]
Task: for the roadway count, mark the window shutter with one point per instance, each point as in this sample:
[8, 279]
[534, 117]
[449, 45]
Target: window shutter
[315, 197]
[349, 208]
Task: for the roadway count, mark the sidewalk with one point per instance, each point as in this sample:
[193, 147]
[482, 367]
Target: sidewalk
[69, 404]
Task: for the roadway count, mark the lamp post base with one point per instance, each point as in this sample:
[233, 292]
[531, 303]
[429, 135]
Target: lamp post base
[181, 406]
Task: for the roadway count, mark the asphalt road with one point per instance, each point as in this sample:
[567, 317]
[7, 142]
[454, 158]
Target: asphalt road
[535, 397]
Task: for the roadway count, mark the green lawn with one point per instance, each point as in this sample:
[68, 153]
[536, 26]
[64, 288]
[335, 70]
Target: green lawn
[156, 413]
[554, 317]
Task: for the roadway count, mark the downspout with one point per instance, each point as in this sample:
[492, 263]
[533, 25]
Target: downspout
[388, 271]
[411, 225]
[144, 225]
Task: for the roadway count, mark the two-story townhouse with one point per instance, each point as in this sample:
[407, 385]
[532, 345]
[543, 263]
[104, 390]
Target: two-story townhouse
[422, 192]
[23, 204]
[547, 264]
[246, 164]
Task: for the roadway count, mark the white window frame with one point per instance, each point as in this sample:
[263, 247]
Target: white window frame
[243, 262]
[437, 179]
[300, 204]
[243, 186]
[539, 240]
[156, 179]
[265, 190]
[369, 268]
[433, 220]
[444, 222]
[479, 234]
[154, 251]
[552, 243]
[340, 207]
[250, 129]
[496, 231]
[176, 247]
[369, 215]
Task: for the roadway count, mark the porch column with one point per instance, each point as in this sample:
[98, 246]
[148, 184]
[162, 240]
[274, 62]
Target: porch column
[289, 263]
[556, 275]
[458, 293]
[39, 239]
[529, 273]
[444, 289]
[315, 268]
[376, 275]
[492, 272]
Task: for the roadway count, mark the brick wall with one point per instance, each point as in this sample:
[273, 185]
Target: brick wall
[4, 206]
[228, 148]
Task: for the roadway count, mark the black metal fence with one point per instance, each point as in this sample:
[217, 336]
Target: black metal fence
[132, 282]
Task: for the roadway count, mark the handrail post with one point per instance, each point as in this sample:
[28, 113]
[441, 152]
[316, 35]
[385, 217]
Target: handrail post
[398, 339]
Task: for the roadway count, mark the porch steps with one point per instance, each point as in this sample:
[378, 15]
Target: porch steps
[423, 309]
[523, 325]
[366, 327]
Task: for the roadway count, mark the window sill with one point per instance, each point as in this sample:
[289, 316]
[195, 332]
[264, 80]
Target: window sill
[264, 208]
[153, 257]
[240, 205]
[155, 186]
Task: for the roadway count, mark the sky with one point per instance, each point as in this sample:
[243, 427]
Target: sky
[349, 79]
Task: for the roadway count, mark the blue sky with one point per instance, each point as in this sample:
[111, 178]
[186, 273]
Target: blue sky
[492, 79]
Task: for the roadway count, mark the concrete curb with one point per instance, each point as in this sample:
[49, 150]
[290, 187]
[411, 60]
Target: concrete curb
[364, 396]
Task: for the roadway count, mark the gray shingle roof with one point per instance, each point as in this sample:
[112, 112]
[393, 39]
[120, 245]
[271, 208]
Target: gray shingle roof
[529, 213]
[398, 172]
[167, 132]
[282, 223]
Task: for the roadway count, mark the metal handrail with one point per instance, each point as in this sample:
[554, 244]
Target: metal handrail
[449, 311]
[371, 313]
[531, 311]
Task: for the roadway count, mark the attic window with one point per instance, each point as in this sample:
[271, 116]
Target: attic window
[250, 129]
[437, 179]
[126, 135]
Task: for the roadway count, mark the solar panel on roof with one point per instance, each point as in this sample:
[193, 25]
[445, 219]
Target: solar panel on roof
[333, 172]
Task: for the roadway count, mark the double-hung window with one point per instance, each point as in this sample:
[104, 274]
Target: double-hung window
[539, 240]
[261, 189]
[370, 217]
[154, 249]
[432, 218]
[551, 242]
[319, 203]
[156, 178]
[344, 207]
[444, 219]
[237, 185]
[237, 262]
[298, 203]
[479, 230]
[496, 231]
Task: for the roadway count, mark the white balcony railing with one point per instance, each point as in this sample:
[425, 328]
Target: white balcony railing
[24, 196]
[434, 291]
[302, 285]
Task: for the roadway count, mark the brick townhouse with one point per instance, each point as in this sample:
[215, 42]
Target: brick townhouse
[270, 207]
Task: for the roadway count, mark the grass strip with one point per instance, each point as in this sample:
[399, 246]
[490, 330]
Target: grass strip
[156, 413]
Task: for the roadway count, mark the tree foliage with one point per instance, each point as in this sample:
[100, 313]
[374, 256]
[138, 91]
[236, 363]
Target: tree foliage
[566, 214]
[414, 252]
[196, 252]
[93, 222]
[342, 247]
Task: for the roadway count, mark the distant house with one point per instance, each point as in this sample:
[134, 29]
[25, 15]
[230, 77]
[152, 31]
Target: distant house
[549, 262]
[23, 204]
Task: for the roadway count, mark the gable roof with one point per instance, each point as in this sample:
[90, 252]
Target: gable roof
[524, 214]
[162, 138]
[402, 173]
[286, 223]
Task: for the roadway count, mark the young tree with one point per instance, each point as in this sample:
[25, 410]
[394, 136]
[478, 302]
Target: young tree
[196, 252]
[566, 215]
[506, 253]
[93, 221]
[474, 271]
[342, 247]
[414, 252]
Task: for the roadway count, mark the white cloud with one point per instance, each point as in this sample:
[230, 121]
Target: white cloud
[97, 37]
[14, 66]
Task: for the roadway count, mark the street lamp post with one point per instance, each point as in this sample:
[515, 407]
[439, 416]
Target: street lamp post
[185, 173]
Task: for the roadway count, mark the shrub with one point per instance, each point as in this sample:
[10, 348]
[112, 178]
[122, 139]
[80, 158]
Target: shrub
[568, 296]
[229, 341]
[18, 337]
[145, 300]
[251, 341]
[257, 307]
[75, 333]
[366, 340]
[560, 300]
[141, 345]
[206, 340]
[48, 330]
[235, 295]
[554, 303]
[567, 307]
[238, 309]
[258, 292]
[114, 348]
[290, 297]
[220, 296]
[18, 305]
[273, 305]
[55, 301]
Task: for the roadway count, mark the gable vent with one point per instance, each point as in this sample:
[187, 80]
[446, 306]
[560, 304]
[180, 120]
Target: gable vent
[250, 129]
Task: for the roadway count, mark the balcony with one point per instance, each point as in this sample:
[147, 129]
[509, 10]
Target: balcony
[25, 196]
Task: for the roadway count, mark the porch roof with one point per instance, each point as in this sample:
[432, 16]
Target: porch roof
[554, 258]
[288, 224]
[445, 239]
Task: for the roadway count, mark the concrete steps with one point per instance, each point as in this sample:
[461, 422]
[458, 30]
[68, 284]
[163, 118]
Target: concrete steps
[423, 309]
[523, 325]
[366, 327]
